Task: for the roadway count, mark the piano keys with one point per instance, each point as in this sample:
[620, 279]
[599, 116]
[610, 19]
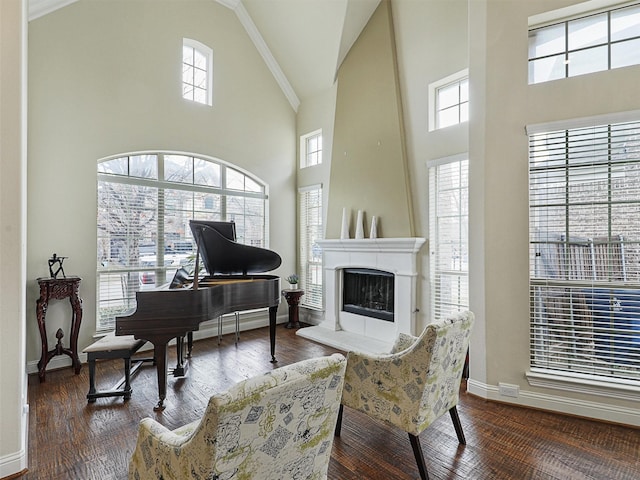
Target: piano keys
[235, 281]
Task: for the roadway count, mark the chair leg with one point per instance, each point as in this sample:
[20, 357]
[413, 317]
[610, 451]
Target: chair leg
[417, 452]
[339, 422]
[127, 378]
[92, 378]
[458, 426]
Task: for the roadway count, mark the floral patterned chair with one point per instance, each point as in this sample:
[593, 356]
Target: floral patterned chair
[275, 426]
[415, 384]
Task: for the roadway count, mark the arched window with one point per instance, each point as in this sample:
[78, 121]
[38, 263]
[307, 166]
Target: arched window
[145, 202]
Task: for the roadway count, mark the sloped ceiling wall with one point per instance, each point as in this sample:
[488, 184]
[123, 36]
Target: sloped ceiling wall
[369, 167]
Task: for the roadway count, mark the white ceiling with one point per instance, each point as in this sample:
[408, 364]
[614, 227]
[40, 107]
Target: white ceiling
[302, 41]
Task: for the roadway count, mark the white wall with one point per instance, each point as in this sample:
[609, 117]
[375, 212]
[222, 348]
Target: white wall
[106, 79]
[436, 38]
[314, 113]
[431, 39]
[502, 105]
[13, 390]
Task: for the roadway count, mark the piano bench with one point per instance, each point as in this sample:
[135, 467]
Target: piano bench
[108, 347]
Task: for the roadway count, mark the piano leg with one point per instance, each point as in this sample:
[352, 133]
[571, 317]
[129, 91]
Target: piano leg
[272, 332]
[179, 370]
[189, 343]
[160, 354]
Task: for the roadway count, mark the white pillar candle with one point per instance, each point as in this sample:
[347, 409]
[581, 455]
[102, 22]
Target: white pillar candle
[374, 227]
[359, 225]
[344, 233]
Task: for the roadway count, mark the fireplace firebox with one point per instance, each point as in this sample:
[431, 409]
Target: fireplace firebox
[369, 293]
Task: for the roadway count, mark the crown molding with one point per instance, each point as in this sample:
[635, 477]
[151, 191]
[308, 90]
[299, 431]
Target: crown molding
[263, 49]
[232, 4]
[39, 8]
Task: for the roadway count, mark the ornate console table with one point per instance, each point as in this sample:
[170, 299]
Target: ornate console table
[58, 289]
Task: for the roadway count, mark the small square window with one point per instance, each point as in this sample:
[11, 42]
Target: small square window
[311, 149]
[449, 100]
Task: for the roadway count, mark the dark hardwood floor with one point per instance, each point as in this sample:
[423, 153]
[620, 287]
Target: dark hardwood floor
[70, 439]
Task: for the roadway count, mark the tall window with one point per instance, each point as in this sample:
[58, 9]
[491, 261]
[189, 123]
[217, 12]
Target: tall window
[593, 43]
[310, 254]
[145, 202]
[448, 236]
[197, 72]
[584, 220]
[311, 149]
[449, 99]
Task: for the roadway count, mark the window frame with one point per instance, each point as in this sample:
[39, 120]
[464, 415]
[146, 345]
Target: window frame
[306, 153]
[568, 20]
[310, 262]
[435, 88]
[207, 52]
[233, 204]
[439, 308]
[578, 378]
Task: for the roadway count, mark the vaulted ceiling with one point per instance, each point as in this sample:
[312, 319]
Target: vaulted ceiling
[302, 41]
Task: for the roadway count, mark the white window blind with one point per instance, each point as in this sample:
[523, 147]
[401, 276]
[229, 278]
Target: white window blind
[310, 224]
[585, 251]
[145, 202]
[448, 237]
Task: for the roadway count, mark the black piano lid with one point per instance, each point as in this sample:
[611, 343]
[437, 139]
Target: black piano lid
[222, 255]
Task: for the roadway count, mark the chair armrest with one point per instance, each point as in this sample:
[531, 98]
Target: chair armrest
[150, 430]
[157, 450]
[403, 342]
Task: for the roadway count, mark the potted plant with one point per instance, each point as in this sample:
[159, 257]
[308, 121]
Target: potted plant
[293, 281]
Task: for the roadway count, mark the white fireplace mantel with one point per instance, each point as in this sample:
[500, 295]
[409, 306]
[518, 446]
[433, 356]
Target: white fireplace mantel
[401, 245]
[348, 331]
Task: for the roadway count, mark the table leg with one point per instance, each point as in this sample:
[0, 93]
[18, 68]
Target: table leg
[76, 320]
[41, 312]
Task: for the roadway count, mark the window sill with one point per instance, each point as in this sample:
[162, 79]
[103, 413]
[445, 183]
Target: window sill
[579, 383]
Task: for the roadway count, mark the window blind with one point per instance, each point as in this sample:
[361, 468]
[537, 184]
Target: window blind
[584, 223]
[310, 224]
[448, 227]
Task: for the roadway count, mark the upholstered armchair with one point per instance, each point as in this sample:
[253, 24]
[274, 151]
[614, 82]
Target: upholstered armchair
[415, 384]
[275, 426]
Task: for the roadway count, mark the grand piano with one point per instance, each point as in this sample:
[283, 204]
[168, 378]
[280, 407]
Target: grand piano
[234, 282]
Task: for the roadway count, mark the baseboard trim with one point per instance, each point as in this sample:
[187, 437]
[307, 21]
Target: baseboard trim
[555, 403]
[13, 465]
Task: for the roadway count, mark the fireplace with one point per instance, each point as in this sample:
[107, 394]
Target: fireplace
[368, 292]
[388, 264]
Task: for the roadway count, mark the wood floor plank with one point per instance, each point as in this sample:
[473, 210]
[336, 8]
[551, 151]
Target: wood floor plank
[70, 439]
